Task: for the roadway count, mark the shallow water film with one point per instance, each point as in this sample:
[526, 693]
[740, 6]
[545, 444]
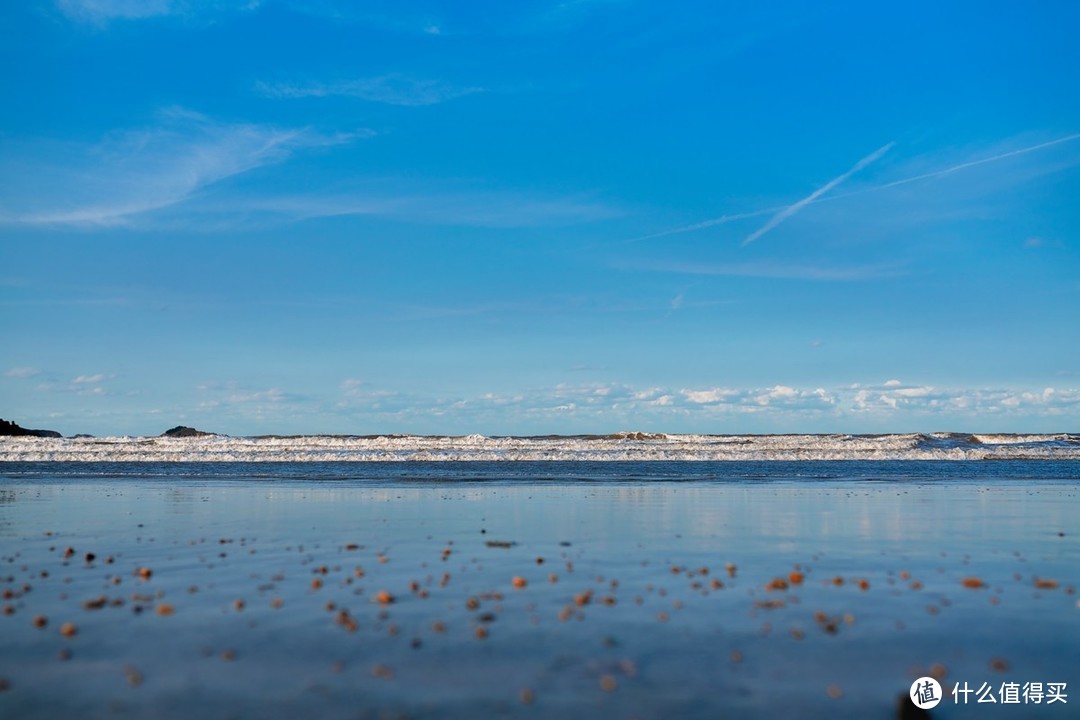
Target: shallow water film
[536, 590]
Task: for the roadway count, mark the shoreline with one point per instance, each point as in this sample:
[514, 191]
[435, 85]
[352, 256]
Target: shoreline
[619, 447]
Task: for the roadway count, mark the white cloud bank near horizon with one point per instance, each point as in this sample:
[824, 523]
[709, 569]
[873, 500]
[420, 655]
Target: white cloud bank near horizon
[357, 406]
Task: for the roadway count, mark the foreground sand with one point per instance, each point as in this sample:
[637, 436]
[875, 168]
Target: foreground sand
[281, 599]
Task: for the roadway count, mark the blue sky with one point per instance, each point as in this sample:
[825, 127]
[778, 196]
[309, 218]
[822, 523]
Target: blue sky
[539, 217]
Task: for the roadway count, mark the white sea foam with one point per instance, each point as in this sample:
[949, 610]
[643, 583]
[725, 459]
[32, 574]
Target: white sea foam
[622, 446]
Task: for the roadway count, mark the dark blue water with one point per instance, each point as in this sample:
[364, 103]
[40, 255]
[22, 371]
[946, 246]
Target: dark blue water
[555, 472]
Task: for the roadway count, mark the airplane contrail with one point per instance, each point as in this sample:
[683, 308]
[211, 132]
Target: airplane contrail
[724, 219]
[790, 210]
[972, 163]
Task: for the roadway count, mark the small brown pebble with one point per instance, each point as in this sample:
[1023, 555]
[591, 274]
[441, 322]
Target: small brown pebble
[973, 583]
[662, 616]
[358, 572]
[519, 582]
[69, 630]
[838, 581]
[228, 655]
[165, 609]
[9, 609]
[526, 696]
[347, 621]
[144, 572]
[95, 604]
[938, 671]
[40, 621]
[64, 654]
[796, 578]
[383, 597]
[472, 603]
[481, 632]
[905, 575]
[777, 584]
[835, 692]
[736, 657]
[316, 583]
[730, 567]
[134, 677]
[1046, 583]
[383, 672]
[583, 598]
[539, 561]
[553, 578]
[999, 664]
[68, 552]
[608, 683]
[864, 584]
[239, 604]
[277, 603]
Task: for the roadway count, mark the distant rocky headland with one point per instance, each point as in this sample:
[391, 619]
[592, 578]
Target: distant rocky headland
[183, 431]
[13, 429]
[9, 428]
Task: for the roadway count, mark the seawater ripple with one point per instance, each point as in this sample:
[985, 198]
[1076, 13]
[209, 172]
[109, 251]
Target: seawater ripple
[627, 446]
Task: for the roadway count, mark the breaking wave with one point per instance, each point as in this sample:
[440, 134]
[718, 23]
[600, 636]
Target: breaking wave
[628, 446]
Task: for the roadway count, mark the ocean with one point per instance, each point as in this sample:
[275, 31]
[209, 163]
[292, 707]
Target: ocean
[769, 576]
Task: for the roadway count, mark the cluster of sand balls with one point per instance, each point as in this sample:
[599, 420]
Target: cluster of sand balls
[567, 597]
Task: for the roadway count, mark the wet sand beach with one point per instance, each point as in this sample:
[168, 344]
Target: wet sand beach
[277, 597]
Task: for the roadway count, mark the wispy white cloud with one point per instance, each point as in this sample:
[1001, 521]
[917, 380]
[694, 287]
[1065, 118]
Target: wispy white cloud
[764, 269]
[478, 208]
[22, 373]
[101, 12]
[172, 174]
[82, 385]
[135, 172]
[391, 89]
[790, 210]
